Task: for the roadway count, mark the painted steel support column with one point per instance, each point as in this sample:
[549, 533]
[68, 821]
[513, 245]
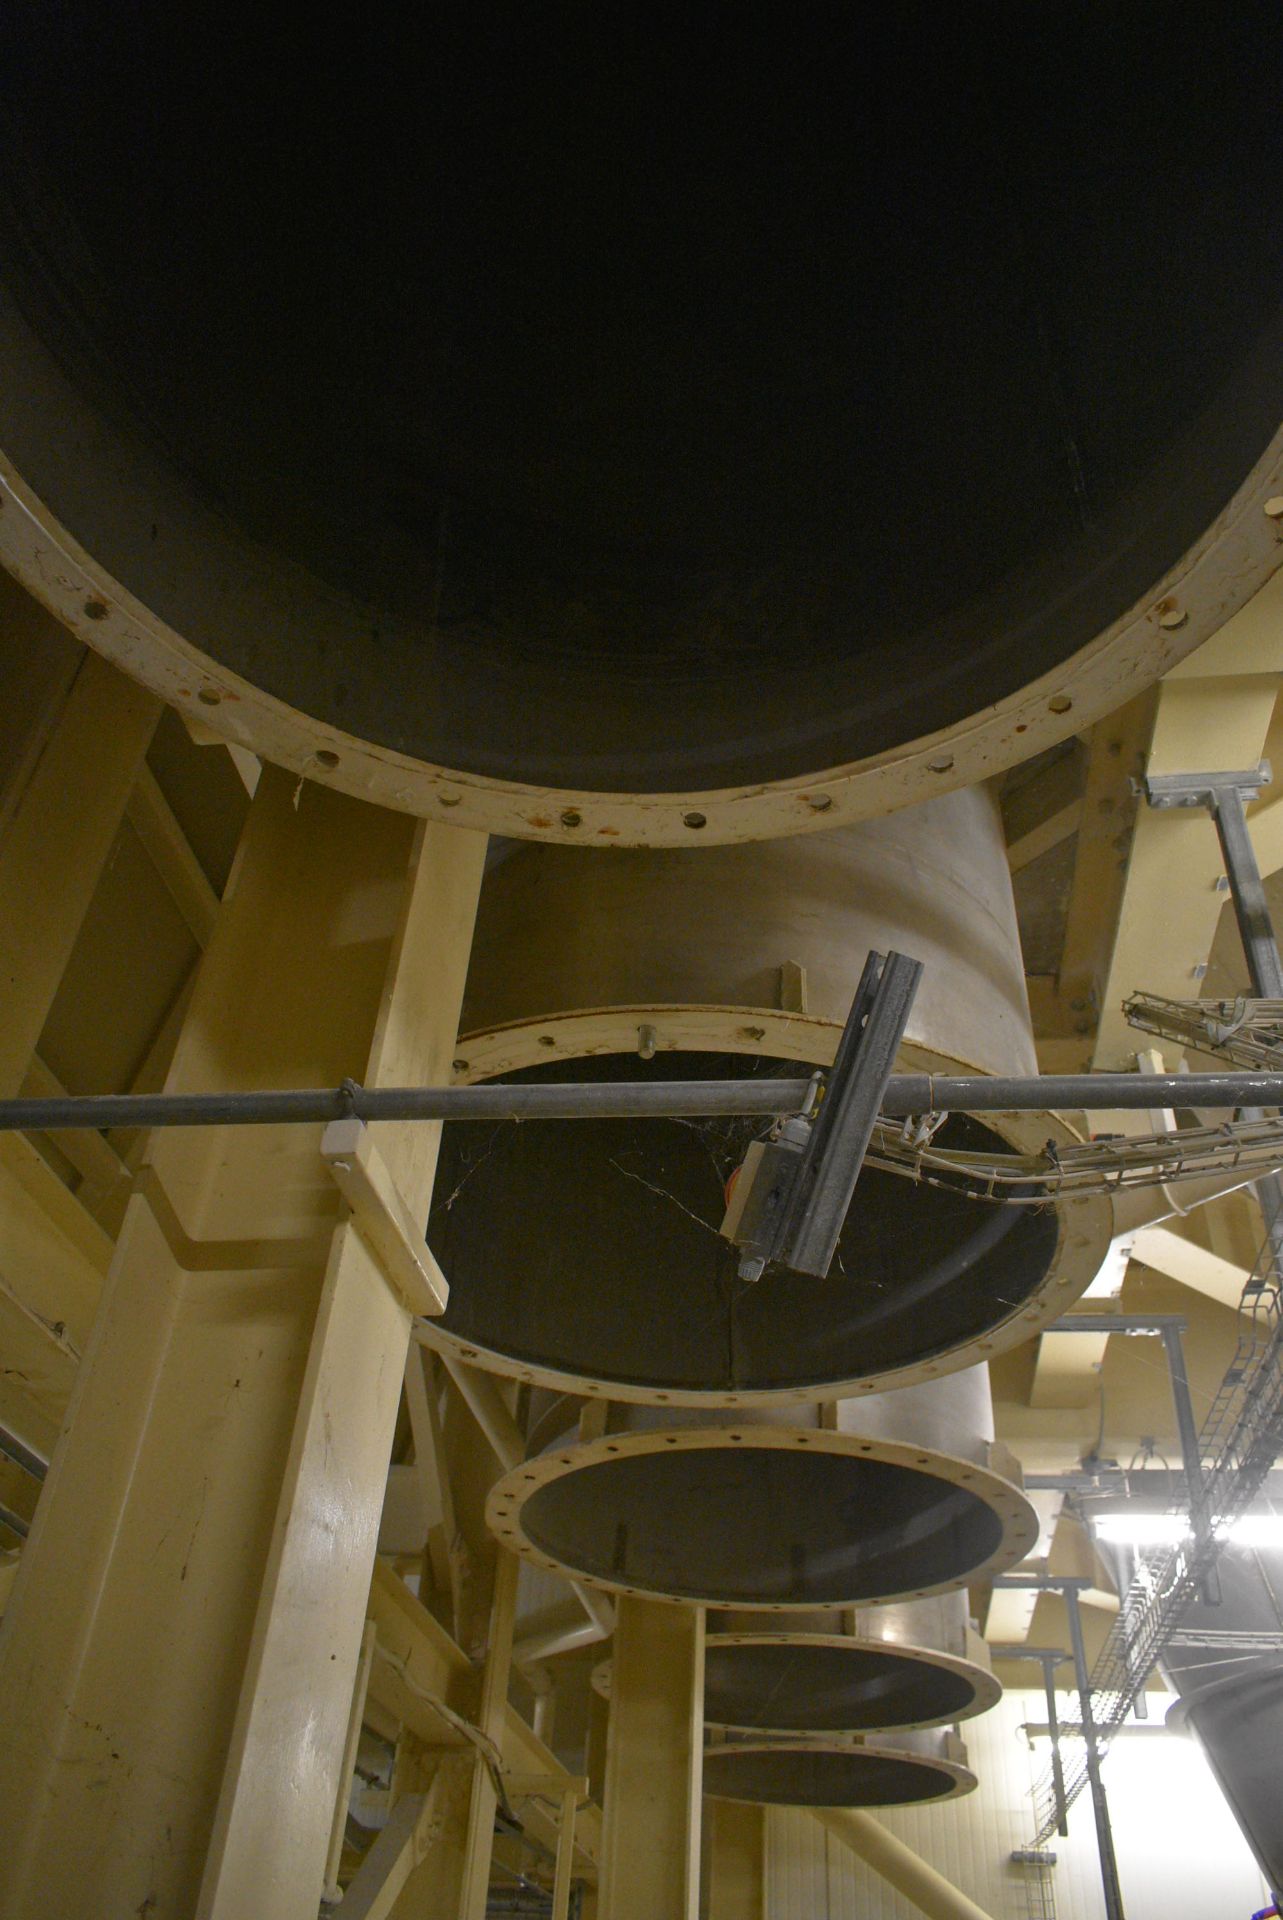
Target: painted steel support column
[565, 1857]
[649, 1860]
[735, 1838]
[1099, 1802]
[1050, 1659]
[178, 1659]
[1070, 1586]
[898, 1865]
[479, 1840]
[1247, 893]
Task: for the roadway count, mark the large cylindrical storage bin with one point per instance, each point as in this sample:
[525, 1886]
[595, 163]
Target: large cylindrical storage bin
[1237, 1723]
[887, 1770]
[663, 455]
[587, 1256]
[910, 1663]
[895, 1496]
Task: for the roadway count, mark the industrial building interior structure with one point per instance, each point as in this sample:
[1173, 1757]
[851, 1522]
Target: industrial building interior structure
[524, 634]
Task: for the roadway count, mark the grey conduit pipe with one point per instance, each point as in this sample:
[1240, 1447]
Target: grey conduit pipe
[907, 1094]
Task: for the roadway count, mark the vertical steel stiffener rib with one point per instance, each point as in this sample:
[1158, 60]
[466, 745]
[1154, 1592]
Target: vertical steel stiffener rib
[1070, 1587]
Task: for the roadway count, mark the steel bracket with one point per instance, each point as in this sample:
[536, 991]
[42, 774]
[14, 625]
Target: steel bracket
[1164, 790]
[791, 1200]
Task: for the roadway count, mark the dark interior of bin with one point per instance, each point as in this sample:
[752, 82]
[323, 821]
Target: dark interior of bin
[591, 1248]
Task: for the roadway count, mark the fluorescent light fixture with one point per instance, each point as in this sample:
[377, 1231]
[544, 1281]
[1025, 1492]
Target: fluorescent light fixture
[1141, 1529]
[1134, 1529]
[1263, 1530]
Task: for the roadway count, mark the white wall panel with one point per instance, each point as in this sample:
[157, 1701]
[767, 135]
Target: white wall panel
[1181, 1855]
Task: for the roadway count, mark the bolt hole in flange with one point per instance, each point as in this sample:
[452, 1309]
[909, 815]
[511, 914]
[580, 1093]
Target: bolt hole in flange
[623, 543]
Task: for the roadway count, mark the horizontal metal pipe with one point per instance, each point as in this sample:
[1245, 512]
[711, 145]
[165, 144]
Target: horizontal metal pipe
[625, 1100]
[1134, 1323]
[914, 1093]
[906, 1094]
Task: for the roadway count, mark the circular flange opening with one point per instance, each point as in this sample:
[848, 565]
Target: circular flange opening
[592, 1253]
[831, 1684]
[640, 413]
[830, 1776]
[762, 1517]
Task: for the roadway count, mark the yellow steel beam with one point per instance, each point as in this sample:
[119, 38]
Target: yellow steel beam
[39, 659]
[1044, 809]
[343, 1432]
[1171, 905]
[53, 1261]
[418, 1671]
[432, 1476]
[1249, 643]
[416, 1661]
[735, 1839]
[1115, 758]
[1167, 1250]
[654, 1764]
[93, 1158]
[55, 842]
[8, 1574]
[356, 1717]
[179, 1655]
[169, 850]
[383, 1217]
[389, 1865]
[483, 1799]
[565, 1856]
[1047, 833]
[483, 1396]
[1067, 1368]
[53, 1254]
